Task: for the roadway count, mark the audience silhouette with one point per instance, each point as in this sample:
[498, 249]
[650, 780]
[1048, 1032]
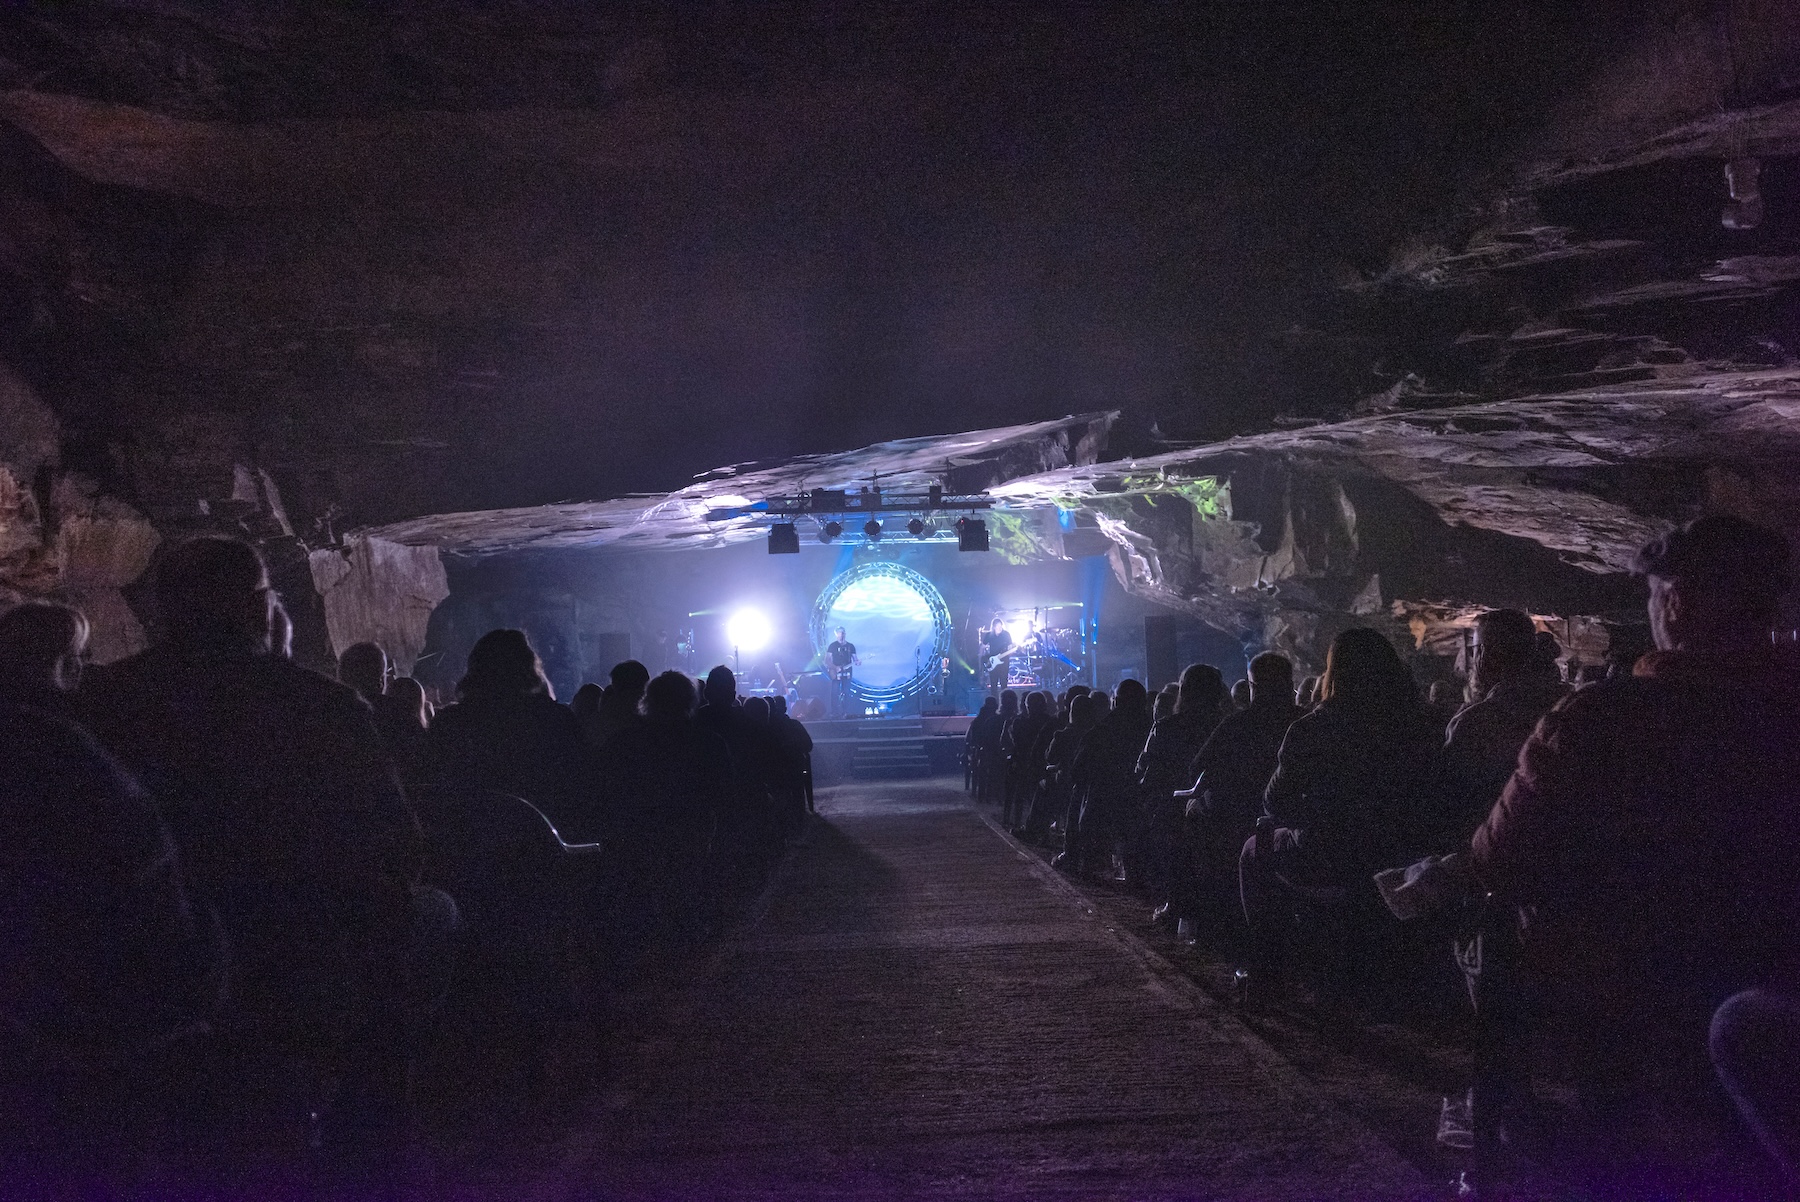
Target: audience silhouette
[1650, 826]
[290, 818]
[364, 667]
[221, 851]
[1229, 773]
[508, 732]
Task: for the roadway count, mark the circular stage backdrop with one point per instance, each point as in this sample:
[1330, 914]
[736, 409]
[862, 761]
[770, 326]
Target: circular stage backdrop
[898, 621]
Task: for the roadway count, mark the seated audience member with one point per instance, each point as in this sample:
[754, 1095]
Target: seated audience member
[402, 718]
[795, 746]
[976, 741]
[106, 955]
[1162, 768]
[1053, 799]
[1511, 686]
[365, 668]
[747, 833]
[620, 700]
[1651, 824]
[41, 645]
[585, 705]
[507, 732]
[1104, 775]
[991, 787]
[1346, 797]
[287, 813]
[1229, 774]
[1017, 744]
[1056, 715]
[759, 757]
[669, 781]
[1164, 703]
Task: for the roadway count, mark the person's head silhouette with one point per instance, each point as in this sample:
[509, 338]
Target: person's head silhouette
[669, 698]
[41, 644]
[364, 667]
[721, 687]
[502, 665]
[214, 594]
[1715, 584]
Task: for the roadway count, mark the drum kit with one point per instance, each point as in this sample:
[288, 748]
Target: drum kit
[1043, 659]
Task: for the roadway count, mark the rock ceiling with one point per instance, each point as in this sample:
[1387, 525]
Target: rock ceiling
[311, 271]
[689, 518]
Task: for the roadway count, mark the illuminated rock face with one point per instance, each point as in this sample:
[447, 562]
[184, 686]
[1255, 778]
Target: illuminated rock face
[1537, 502]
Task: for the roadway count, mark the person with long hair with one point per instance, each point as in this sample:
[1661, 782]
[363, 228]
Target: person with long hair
[1018, 742]
[990, 785]
[1201, 701]
[975, 743]
[1103, 774]
[1229, 774]
[1346, 798]
[41, 645]
[508, 732]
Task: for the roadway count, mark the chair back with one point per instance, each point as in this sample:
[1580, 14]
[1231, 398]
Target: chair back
[495, 853]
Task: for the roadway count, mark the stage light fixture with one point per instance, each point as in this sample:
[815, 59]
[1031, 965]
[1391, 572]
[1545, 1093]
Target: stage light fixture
[784, 539]
[872, 529]
[971, 534]
[916, 528]
[830, 531]
[748, 630]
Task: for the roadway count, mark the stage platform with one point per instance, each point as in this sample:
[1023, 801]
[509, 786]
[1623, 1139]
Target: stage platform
[888, 747]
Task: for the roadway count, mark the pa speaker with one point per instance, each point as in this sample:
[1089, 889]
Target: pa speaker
[611, 647]
[784, 539]
[1162, 662]
[971, 535]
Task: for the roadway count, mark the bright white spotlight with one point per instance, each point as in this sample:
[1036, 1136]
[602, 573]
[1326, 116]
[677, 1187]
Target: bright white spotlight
[748, 630]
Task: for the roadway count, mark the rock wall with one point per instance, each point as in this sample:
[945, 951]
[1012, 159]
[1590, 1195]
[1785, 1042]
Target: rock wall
[60, 538]
[381, 592]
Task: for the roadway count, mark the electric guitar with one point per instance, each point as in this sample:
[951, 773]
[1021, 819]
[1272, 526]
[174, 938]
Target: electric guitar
[994, 661]
[840, 673]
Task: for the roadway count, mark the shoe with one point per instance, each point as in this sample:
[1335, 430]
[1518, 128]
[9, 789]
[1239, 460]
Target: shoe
[1061, 860]
[1240, 988]
[1456, 1125]
[1162, 916]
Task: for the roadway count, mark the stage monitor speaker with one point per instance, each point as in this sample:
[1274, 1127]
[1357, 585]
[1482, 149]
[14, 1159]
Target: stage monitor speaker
[1162, 661]
[612, 647]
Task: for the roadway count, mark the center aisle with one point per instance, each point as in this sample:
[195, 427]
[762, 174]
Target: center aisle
[921, 1012]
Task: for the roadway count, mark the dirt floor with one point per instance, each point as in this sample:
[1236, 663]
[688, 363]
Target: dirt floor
[920, 1008]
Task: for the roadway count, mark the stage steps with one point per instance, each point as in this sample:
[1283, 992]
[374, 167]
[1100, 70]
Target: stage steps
[890, 747]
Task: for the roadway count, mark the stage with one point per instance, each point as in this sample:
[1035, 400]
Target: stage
[887, 748]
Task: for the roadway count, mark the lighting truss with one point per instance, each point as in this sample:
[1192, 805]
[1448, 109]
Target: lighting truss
[830, 507]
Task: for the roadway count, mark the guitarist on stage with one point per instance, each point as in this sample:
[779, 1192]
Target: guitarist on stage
[996, 643]
[840, 660]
